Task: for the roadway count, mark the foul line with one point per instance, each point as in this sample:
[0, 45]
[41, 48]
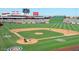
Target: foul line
[50, 37]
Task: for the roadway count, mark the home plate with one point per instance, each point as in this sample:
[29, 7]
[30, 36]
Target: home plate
[60, 40]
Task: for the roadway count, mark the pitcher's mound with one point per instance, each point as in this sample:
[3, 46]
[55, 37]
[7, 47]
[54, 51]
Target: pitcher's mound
[29, 41]
[38, 33]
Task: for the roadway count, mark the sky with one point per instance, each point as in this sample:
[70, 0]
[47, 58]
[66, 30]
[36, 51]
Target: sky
[46, 11]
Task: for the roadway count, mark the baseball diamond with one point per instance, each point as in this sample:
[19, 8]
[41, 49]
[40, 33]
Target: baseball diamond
[39, 33]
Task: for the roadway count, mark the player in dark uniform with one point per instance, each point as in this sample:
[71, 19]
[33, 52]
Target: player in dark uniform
[25, 40]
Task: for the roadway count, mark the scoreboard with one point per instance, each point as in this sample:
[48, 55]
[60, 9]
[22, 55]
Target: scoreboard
[35, 13]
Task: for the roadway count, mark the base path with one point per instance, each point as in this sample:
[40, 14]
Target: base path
[33, 40]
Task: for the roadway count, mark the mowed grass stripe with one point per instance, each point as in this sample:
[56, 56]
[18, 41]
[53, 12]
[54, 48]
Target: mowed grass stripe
[73, 27]
[57, 25]
[61, 25]
[68, 27]
[64, 26]
[77, 27]
[52, 25]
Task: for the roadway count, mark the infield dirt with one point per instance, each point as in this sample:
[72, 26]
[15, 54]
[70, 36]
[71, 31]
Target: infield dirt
[33, 40]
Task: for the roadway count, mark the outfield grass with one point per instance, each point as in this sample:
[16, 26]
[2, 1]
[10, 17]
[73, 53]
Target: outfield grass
[43, 45]
[52, 44]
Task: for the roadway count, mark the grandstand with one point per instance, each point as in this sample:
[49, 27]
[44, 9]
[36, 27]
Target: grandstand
[23, 19]
[71, 20]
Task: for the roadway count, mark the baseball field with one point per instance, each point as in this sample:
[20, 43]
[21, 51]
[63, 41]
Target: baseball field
[54, 36]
